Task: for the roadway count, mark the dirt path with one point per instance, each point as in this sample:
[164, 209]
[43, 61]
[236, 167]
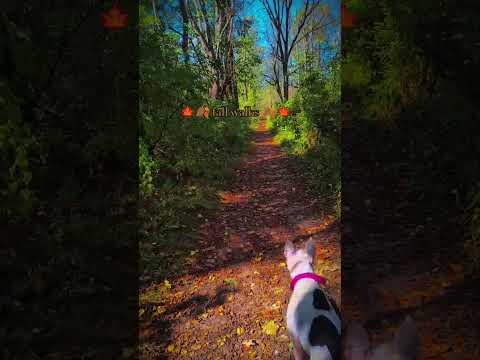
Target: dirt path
[237, 288]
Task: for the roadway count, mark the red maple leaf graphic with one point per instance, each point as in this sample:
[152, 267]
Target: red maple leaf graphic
[348, 19]
[114, 18]
[187, 112]
[283, 111]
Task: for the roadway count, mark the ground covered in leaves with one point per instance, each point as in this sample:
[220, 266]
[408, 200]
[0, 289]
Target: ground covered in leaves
[398, 261]
[230, 303]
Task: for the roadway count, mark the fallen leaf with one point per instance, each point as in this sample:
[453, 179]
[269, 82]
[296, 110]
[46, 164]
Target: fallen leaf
[282, 265]
[249, 343]
[170, 348]
[167, 284]
[159, 310]
[270, 328]
[240, 331]
[230, 282]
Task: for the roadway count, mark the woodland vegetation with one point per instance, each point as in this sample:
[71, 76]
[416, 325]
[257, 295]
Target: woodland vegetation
[409, 73]
[68, 180]
[205, 52]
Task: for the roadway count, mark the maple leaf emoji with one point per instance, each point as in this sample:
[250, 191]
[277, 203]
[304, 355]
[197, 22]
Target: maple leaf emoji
[283, 111]
[187, 112]
[203, 111]
[348, 19]
[114, 18]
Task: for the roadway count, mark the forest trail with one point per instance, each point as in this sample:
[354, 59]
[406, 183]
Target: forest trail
[232, 301]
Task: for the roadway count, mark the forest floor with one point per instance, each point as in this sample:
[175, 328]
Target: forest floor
[231, 302]
[397, 261]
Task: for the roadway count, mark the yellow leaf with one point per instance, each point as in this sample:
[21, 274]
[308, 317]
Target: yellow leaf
[240, 331]
[282, 264]
[252, 353]
[248, 343]
[183, 352]
[170, 348]
[270, 328]
[159, 310]
[196, 347]
[141, 312]
[167, 284]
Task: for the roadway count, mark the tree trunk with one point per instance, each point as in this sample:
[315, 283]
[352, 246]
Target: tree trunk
[183, 10]
[285, 80]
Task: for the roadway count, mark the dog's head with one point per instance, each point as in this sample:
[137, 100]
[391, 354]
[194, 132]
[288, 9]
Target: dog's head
[404, 345]
[300, 256]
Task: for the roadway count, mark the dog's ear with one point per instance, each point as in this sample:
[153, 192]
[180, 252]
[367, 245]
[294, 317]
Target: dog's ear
[310, 248]
[406, 341]
[289, 249]
[357, 343]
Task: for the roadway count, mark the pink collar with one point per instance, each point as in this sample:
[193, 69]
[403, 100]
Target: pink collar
[319, 279]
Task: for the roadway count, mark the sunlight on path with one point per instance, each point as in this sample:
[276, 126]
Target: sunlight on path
[232, 302]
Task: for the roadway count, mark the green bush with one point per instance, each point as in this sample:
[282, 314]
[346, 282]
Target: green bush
[182, 160]
[313, 133]
[16, 144]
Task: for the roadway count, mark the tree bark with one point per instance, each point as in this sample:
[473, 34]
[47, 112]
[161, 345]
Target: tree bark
[183, 10]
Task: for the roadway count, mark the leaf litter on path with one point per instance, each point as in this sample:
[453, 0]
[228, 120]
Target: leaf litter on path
[237, 305]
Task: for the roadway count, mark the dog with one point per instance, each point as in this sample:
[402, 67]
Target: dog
[313, 318]
[404, 346]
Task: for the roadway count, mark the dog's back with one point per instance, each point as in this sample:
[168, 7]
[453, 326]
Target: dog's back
[313, 319]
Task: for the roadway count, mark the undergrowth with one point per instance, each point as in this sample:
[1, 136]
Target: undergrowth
[311, 132]
[183, 161]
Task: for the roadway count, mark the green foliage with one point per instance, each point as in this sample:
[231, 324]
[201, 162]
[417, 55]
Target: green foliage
[313, 133]
[146, 169]
[408, 71]
[247, 68]
[182, 161]
[16, 144]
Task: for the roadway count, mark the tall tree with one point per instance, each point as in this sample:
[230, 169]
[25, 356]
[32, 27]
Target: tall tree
[212, 22]
[185, 38]
[286, 36]
[247, 59]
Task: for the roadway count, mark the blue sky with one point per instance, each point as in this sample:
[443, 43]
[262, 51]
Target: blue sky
[254, 8]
